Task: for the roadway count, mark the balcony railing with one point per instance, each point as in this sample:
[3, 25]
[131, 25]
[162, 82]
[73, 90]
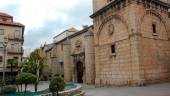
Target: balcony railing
[14, 66]
[15, 50]
[16, 38]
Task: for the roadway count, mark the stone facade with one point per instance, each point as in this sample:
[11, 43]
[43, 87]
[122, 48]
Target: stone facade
[11, 42]
[128, 44]
[75, 57]
[139, 31]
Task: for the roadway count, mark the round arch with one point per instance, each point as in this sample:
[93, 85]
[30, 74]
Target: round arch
[156, 14]
[105, 21]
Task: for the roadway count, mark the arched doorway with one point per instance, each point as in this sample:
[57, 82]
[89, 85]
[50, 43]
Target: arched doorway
[79, 72]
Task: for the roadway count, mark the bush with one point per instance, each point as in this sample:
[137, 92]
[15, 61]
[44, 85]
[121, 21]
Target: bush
[26, 78]
[57, 84]
[8, 89]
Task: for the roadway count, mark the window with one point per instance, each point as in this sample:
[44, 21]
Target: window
[61, 64]
[1, 31]
[113, 49]
[154, 28]
[50, 54]
[17, 33]
[1, 58]
[12, 46]
[61, 47]
[1, 45]
[16, 45]
[4, 19]
[16, 58]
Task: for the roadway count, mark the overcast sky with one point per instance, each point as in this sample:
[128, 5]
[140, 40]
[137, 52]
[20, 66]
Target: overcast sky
[44, 19]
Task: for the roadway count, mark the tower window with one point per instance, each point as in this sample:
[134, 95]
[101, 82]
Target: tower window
[113, 49]
[154, 28]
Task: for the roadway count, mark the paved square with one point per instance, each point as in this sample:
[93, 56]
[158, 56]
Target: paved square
[151, 90]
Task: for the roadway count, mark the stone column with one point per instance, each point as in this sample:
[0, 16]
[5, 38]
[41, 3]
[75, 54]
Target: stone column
[67, 61]
[89, 58]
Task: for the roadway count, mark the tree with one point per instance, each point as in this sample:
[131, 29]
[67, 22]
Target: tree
[26, 78]
[31, 66]
[34, 65]
[13, 63]
[57, 84]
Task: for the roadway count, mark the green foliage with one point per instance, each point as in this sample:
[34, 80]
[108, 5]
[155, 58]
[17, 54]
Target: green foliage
[34, 64]
[57, 84]
[26, 78]
[12, 62]
[31, 66]
[8, 89]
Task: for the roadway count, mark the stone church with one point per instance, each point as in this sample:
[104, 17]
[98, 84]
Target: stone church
[128, 44]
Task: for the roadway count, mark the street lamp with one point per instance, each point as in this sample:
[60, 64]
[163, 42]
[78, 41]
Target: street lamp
[4, 63]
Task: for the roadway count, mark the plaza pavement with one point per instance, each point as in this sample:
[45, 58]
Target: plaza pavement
[90, 90]
[43, 85]
[150, 90]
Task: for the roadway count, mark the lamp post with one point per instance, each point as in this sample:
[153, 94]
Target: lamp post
[4, 63]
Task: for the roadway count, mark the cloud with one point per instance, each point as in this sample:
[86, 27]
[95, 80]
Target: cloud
[46, 18]
[38, 10]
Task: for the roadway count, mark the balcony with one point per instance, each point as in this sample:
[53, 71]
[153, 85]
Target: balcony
[15, 50]
[15, 38]
[14, 66]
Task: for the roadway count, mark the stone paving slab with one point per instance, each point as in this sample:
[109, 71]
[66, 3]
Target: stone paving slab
[151, 90]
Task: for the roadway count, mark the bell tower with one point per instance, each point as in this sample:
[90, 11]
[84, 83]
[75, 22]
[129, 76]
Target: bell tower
[129, 36]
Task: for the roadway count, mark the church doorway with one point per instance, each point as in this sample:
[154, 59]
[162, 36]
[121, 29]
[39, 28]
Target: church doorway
[79, 72]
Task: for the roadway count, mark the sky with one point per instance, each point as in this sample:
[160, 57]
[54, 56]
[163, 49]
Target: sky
[44, 19]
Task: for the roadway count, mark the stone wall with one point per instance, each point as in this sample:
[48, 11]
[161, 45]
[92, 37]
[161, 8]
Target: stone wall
[98, 5]
[141, 56]
[58, 66]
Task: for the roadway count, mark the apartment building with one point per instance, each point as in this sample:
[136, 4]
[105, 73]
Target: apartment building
[11, 44]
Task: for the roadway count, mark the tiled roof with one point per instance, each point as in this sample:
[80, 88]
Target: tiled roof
[69, 30]
[48, 47]
[75, 34]
[11, 23]
[5, 15]
[72, 30]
